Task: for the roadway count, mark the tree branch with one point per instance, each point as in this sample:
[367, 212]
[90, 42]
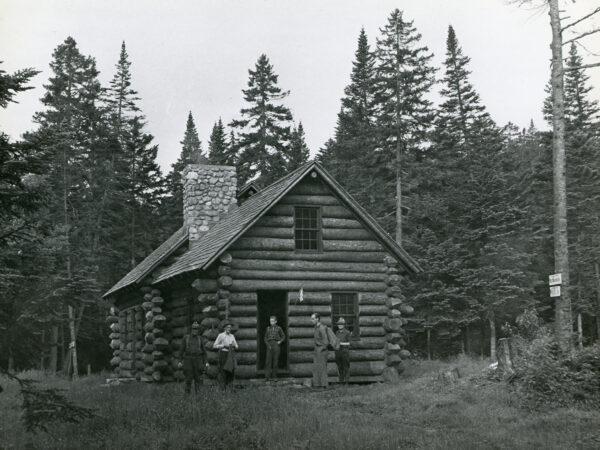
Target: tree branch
[585, 66]
[582, 35]
[597, 10]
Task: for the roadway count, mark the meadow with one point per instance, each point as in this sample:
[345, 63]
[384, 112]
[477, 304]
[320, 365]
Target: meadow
[421, 412]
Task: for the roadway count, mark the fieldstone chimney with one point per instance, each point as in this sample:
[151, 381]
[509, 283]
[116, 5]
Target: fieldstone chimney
[208, 193]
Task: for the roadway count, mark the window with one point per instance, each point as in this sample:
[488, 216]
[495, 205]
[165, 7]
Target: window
[345, 304]
[307, 228]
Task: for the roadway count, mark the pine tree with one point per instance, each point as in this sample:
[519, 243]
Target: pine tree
[404, 78]
[263, 132]
[298, 152]
[219, 151]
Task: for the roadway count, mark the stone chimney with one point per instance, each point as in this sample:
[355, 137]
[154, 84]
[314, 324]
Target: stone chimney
[208, 193]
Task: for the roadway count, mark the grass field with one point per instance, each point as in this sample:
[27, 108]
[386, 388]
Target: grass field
[418, 413]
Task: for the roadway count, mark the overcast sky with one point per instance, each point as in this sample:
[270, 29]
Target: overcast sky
[195, 54]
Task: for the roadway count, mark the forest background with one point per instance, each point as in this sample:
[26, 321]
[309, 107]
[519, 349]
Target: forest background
[83, 200]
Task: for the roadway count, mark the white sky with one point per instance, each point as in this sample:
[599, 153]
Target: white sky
[195, 54]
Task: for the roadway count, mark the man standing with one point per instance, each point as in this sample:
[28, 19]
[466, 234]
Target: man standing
[226, 344]
[274, 336]
[321, 353]
[193, 358]
[342, 354]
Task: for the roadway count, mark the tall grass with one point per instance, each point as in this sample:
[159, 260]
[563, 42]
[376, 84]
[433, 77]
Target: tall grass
[421, 412]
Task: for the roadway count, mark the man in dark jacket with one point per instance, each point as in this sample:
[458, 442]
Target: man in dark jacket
[274, 336]
[193, 354]
[342, 354]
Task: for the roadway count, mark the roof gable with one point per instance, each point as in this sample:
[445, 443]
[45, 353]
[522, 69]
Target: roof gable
[237, 221]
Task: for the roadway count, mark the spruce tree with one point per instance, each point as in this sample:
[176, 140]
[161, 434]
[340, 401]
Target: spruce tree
[219, 151]
[263, 131]
[348, 156]
[191, 153]
[298, 152]
[404, 78]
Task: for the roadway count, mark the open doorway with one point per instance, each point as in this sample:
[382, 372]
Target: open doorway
[272, 303]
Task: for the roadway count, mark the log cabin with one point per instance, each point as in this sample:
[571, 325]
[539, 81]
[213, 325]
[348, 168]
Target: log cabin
[298, 246]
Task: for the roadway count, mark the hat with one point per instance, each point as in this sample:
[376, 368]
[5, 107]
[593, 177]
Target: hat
[341, 321]
[195, 326]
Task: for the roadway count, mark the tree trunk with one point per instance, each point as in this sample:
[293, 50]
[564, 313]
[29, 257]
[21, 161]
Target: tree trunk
[73, 343]
[492, 339]
[563, 316]
[54, 350]
[597, 269]
[505, 364]
[11, 360]
[428, 344]
[579, 332]
[468, 339]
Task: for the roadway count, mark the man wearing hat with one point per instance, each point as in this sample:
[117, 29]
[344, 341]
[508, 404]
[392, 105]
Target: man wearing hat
[342, 355]
[226, 344]
[193, 354]
[274, 336]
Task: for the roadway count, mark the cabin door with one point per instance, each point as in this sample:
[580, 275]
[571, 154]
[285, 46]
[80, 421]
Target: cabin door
[272, 303]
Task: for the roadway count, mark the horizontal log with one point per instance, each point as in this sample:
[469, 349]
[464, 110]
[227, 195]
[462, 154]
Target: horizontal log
[243, 298]
[303, 310]
[330, 211]
[272, 232]
[251, 243]
[310, 298]
[370, 343]
[245, 372]
[246, 345]
[345, 256]
[356, 355]
[305, 321]
[275, 221]
[309, 332]
[245, 322]
[321, 266]
[241, 285]
[351, 246]
[309, 200]
[245, 333]
[242, 311]
[364, 321]
[329, 222]
[305, 275]
[368, 368]
[347, 234]
[372, 298]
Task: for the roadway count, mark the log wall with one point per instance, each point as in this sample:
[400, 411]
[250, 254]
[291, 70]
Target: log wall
[264, 258]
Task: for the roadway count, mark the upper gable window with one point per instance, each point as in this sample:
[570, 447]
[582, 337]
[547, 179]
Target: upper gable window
[307, 228]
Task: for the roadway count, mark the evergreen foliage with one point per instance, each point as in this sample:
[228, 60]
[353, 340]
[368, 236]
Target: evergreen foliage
[220, 152]
[264, 129]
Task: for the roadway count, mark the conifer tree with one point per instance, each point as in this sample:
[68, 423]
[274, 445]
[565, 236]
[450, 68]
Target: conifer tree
[404, 78]
[348, 156]
[219, 151]
[298, 152]
[263, 131]
[191, 153]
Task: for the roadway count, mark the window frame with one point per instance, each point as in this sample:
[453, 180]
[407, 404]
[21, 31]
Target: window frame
[319, 230]
[355, 314]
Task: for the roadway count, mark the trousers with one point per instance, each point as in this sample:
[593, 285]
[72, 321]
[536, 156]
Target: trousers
[342, 360]
[272, 359]
[225, 376]
[193, 368]
[320, 367]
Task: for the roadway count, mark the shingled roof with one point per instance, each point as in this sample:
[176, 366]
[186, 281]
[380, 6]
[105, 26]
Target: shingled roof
[237, 221]
[140, 271]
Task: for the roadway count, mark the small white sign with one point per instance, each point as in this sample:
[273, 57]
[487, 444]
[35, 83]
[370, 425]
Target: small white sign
[554, 291]
[555, 279]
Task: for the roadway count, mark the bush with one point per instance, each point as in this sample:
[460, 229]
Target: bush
[544, 376]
